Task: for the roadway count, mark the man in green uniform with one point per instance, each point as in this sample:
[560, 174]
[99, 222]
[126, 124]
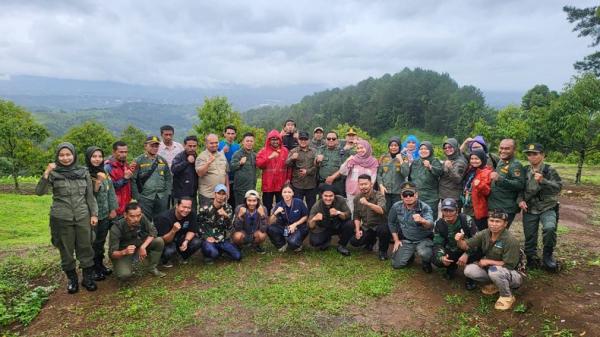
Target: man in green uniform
[507, 181]
[134, 234]
[152, 180]
[540, 203]
[317, 141]
[329, 159]
[301, 160]
[500, 251]
[243, 166]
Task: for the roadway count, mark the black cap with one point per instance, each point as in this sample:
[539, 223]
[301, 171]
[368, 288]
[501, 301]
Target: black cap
[152, 139]
[534, 147]
[449, 203]
[408, 186]
[303, 135]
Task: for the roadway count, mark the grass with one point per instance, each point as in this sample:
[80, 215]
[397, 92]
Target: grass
[24, 221]
[590, 175]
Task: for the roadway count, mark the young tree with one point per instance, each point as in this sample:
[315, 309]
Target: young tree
[90, 133]
[134, 138]
[588, 24]
[20, 137]
[574, 119]
[215, 114]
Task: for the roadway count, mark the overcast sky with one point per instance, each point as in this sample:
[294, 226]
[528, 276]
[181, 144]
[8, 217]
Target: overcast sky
[495, 45]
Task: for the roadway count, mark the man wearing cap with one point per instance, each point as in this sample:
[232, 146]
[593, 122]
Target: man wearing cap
[168, 148]
[289, 135]
[508, 181]
[369, 219]
[500, 251]
[301, 160]
[178, 228]
[328, 217]
[134, 235]
[317, 141]
[411, 224]
[243, 166]
[539, 203]
[215, 221]
[229, 147]
[446, 252]
[329, 159]
[349, 144]
[211, 166]
[152, 180]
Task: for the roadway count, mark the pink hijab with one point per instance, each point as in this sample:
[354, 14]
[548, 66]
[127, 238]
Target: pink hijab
[366, 161]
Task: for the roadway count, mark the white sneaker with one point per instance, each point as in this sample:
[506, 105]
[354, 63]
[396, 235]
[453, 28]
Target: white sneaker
[299, 249]
[283, 248]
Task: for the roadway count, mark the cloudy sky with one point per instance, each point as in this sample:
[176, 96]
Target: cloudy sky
[495, 45]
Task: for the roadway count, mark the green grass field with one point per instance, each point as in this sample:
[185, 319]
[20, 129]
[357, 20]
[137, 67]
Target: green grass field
[24, 220]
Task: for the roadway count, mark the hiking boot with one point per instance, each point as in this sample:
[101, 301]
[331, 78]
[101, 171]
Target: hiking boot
[470, 284]
[259, 249]
[383, 256]
[343, 250]
[489, 289]
[298, 250]
[72, 281]
[504, 303]
[369, 248]
[426, 266]
[548, 260]
[88, 279]
[167, 264]
[533, 262]
[283, 248]
[101, 267]
[449, 274]
[155, 272]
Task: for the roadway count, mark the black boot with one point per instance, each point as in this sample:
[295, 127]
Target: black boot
[88, 279]
[533, 262]
[426, 266]
[72, 281]
[101, 267]
[470, 284]
[98, 271]
[450, 272]
[548, 260]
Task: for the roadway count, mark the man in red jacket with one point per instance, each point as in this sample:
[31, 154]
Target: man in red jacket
[275, 173]
[120, 174]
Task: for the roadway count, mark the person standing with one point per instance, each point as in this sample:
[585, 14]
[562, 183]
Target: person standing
[540, 204]
[425, 172]
[183, 168]
[507, 181]
[73, 214]
[107, 207]
[389, 173]
[317, 141]
[212, 168]
[301, 160]
[275, 173]
[243, 166]
[152, 181]
[451, 181]
[229, 147]
[168, 148]
[329, 160]
[121, 174]
[355, 166]
[289, 136]
[477, 187]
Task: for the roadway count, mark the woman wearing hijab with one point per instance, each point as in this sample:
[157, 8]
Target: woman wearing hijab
[107, 207]
[72, 215]
[477, 188]
[389, 173]
[425, 172]
[410, 148]
[360, 163]
[250, 222]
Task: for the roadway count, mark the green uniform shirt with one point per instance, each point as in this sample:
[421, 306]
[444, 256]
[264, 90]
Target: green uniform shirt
[427, 181]
[72, 199]
[508, 186]
[339, 203]
[244, 176]
[389, 174]
[160, 182]
[541, 196]
[506, 248]
[332, 160]
[122, 235]
[370, 219]
[306, 160]
[212, 224]
[447, 244]
[105, 198]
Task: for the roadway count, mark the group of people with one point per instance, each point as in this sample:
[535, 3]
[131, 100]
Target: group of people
[172, 201]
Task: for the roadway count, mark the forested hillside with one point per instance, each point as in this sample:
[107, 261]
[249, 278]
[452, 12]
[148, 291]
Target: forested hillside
[421, 99]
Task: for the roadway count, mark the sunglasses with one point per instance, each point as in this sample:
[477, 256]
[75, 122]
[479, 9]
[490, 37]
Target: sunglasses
[408, 194]
[331, 138]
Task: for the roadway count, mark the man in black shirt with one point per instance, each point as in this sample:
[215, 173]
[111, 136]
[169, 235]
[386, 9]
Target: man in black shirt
[178, 228]
[183, 167]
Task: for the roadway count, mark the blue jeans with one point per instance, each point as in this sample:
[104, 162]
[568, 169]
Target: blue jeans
[214, 249]
[293, 240]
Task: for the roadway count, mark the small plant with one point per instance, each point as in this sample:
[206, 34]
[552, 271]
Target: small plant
[454, 299]
[507, 333]
[521, 308]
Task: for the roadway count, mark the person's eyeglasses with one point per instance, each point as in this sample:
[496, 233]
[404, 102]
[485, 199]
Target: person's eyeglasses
[408, 194]
[331, 138]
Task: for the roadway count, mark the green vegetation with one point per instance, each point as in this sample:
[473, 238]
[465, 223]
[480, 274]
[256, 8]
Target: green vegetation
[29, 226]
